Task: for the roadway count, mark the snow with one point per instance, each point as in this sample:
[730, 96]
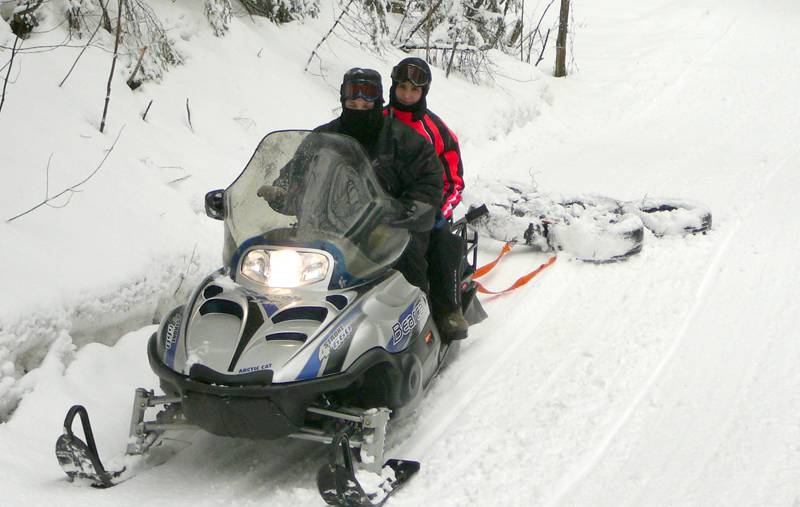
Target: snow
[668, 379]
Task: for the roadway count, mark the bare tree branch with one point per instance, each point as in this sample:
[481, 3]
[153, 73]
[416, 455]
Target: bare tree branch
[47, 177]
[423, 21]
[189, 115]
[82, 51]
[73, 188]
[544, 46]
[186, 273]
[325, 37]
[8, 74]
[113, 64]
[144, 115]
[132, 83]
[405, 15]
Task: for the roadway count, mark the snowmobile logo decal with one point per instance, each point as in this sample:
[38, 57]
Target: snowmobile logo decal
[171, 334]
[252, 369]
[330, 353]
[405, 326]
[335, 341]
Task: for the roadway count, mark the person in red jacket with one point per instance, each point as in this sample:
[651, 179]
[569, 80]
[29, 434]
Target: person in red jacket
[411, 81]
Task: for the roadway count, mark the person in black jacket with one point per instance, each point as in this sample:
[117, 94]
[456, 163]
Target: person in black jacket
[405, 163]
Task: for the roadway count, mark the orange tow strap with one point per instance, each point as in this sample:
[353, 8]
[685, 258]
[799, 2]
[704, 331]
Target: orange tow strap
[520, 281]
[488, 267]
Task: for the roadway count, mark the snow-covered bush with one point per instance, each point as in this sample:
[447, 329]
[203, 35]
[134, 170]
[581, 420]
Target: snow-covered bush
[282, 11]
[218, 13]
[23, 16]
[142, 29]
[456, 35]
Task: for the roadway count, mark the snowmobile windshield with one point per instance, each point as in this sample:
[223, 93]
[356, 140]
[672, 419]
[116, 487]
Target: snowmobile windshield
[315, 190]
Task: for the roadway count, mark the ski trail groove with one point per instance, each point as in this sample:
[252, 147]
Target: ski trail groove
[568, 484]
[455, 408]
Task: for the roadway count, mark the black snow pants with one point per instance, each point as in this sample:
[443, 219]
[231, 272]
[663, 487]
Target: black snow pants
[445, 268]
[413, 264]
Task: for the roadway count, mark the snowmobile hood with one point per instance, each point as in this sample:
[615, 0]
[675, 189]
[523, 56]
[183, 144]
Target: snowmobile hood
[297, 335]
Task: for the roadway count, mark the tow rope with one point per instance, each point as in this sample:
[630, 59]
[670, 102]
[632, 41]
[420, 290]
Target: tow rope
[488, 267]
[519, 282]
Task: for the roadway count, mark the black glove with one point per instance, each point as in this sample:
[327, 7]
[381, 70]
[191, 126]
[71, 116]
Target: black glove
[416, 216]
[275, 196]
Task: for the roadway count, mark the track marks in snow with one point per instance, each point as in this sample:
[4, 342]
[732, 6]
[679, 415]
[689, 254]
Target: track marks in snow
[597, 454]
[722, 405]
[477, 366]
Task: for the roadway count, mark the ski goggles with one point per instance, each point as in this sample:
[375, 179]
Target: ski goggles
[410, 72]
[366, 90]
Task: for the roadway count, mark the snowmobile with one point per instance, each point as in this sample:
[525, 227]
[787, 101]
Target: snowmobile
[306, 332]
[591, 228]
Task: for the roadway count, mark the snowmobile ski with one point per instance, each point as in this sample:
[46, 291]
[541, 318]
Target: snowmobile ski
[79, 459]
[338, 484]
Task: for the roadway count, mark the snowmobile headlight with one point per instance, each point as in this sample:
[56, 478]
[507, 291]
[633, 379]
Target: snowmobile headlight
[284, 268]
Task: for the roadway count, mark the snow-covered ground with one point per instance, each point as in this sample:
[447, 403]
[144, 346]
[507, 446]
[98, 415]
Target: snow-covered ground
[670, 379]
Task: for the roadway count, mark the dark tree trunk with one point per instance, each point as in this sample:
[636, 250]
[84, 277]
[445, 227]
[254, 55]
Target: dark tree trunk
[561, 40]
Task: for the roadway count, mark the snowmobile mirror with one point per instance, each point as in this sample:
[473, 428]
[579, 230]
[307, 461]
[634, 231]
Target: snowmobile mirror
[214, 204]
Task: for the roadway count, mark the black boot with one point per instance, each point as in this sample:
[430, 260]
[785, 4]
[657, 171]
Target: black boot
[453, 325]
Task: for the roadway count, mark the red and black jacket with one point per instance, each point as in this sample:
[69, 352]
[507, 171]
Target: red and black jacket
[432, 128]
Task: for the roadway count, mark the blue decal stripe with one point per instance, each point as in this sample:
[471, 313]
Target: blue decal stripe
[312, 367]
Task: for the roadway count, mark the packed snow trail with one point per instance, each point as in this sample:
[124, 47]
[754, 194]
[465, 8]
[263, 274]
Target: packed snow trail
[596, 431]
[721, 418]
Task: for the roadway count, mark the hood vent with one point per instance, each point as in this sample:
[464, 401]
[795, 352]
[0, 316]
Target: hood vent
[316, 313]
[287, 336]
[222, 306]
[338, 301]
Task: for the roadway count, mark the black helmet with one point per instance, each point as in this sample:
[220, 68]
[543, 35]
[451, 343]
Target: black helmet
[364, 83]
[415, 70]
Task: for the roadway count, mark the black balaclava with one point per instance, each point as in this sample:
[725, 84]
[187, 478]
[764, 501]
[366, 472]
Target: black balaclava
[421, 105]
[363, 125]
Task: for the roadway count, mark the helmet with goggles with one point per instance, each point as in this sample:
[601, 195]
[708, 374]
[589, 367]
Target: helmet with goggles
[362, 83]
[414, 70]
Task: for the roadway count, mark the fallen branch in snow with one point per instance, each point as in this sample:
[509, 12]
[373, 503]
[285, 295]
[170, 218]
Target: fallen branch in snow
[47, 177]
[73, 188]
[189, 115]
[133, 84]
[8, 74]
[178, 180]
[144, 115]
[325, 37]
[186, 273]
[113, 64]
